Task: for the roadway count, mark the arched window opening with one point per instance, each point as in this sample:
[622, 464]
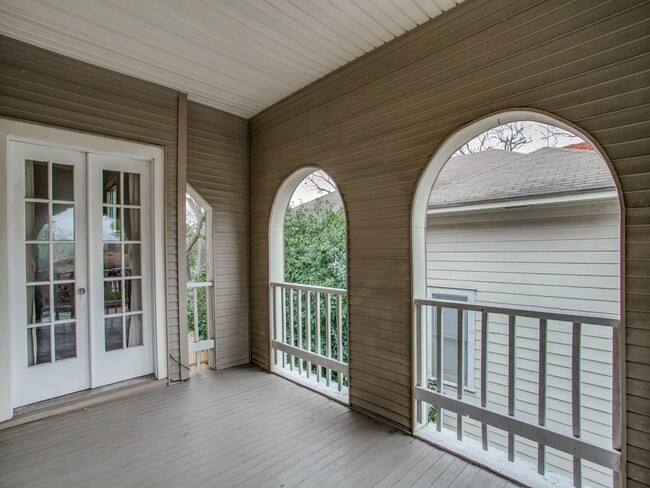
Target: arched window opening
[309, 326]
[518, 301]
[198, 229]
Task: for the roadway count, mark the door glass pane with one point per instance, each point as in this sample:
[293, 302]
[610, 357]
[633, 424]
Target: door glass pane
[111, 187]
[38, 346]
[37, 221]
[37, 262]
[63, 261]
[112, 260]
[132, 260]
[133, 295]
[131, 189]
[64, 306]
[112, 297]
[62, 182]
[133, 330]
[62, 222]
[38, 304]
[131, 224]
[36, 182]
[113, 333]
[111, 224]
[65, 341]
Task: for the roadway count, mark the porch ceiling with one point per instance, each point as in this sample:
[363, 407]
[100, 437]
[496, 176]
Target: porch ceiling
[239, 56]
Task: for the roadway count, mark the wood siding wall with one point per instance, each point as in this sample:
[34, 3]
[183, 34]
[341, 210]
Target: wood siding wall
[39, 86]
[555, 257]
[375, 123]
[217, 168]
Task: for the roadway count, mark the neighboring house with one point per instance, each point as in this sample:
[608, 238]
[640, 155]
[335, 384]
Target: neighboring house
[538, 230]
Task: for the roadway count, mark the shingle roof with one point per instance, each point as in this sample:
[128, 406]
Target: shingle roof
[502, 175]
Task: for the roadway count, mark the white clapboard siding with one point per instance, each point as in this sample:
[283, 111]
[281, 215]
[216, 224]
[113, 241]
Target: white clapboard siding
[562, 257]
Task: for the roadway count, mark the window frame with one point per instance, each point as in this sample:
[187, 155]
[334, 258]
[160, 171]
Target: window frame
[434, 292]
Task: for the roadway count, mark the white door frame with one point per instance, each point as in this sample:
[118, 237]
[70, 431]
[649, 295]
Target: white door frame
[14, 130]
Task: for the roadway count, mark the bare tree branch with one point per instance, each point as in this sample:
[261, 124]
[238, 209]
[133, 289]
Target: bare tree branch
[321, 182]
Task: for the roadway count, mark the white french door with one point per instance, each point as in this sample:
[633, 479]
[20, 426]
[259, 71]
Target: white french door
[120, 269]
[78, 238]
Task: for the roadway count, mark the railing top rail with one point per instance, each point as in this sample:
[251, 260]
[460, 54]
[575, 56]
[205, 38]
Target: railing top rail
[321, 289]
[522, 312]
[202, 284]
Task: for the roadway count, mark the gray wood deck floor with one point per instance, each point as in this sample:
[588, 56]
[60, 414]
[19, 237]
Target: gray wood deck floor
[239, 427]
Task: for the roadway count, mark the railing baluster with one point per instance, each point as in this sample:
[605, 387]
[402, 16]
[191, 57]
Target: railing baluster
[308, 328]
[541, 395]
[511, 383]
[460, 372]
[291, 341]
[484, 374]
[421, 378]
[197, 337]
[339, 338]
[299, 303]
[328, 338]
[575, 400]
[319, 349]
[616, 398]
[274, 323]
[439, 371]
[283, 296]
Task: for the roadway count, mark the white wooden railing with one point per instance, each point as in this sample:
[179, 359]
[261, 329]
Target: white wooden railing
[200, 344]
[309, 333]
[538, 432]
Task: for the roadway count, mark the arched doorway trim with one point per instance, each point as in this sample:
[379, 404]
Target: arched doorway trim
[418, 246]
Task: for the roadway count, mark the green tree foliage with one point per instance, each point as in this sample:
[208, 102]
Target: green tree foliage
[315, 254]
[314, 245]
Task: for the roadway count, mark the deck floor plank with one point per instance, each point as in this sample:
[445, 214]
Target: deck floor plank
[238, 427]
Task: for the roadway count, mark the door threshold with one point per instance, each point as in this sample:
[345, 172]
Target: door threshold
[81, 400]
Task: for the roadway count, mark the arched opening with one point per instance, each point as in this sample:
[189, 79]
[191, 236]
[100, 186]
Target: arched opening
[516, 261]
[308, 274]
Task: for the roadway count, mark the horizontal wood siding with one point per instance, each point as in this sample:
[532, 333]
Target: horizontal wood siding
[217, 167]
[39, 86]
[374, 124]
[556, 257]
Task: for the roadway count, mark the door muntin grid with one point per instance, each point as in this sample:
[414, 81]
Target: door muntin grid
[122, 270]
[50, 284]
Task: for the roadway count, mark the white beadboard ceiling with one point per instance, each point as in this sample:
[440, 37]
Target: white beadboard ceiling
[236, 55]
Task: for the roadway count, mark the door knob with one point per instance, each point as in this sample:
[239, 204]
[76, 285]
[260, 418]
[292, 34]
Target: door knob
[81, 291]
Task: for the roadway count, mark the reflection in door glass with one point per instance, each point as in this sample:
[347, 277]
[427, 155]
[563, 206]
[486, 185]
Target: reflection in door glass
[50, 263]
[132, 260]
[111, 187]
[131, 224]
[112, 297]
[62, 182]
[38, 345]
[65, 341]
[37, 262]
[36, 179]
[122, 260]
[64, 306]
[38, 304]
[112, 260]
[37, 218]
[113, 333]
[62, 222]
[131, 189]
[63, 261]
[133, 330]
[111, 224]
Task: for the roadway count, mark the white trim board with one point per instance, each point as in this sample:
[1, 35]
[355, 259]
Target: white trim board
[512, 203]
[14, 130]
